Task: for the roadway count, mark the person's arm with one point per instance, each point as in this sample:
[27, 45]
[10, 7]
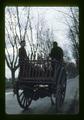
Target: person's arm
[51, 53]
[61, 53]
[25, 55]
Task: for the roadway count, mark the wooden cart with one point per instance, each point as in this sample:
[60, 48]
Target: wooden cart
[40, 79]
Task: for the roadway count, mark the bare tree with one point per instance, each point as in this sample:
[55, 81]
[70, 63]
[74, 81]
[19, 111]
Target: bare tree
[72, 22]
[40, 38]
[13, 38]
[45, 37]
[74, 31]
[11, 57]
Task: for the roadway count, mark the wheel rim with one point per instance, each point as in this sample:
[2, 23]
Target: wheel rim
[60, 92]
[63, 87]
[53, 99]
[23, 100]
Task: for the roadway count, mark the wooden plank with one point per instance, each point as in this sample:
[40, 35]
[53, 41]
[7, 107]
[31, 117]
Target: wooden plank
[38, 78]
[37, 82]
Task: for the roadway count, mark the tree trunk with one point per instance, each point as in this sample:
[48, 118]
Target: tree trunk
[13, 76]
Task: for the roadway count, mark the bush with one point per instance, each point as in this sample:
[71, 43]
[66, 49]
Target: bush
[71, 70]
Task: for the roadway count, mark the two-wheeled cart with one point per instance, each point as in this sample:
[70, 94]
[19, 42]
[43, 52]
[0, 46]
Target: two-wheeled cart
[41, 78]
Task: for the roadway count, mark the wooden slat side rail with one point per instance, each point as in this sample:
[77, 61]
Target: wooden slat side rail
[40, 70]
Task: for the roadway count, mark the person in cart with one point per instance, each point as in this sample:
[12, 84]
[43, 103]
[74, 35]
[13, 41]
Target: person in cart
[56, 54]
[23, 58]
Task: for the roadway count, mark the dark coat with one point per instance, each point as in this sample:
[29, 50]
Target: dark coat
[22, 55]
[57, 53]
[23, 61]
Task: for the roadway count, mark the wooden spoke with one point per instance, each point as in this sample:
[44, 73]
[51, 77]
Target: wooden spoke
[23, 100]
[20, 94]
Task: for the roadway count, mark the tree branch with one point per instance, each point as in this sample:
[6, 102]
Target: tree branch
[17, 12]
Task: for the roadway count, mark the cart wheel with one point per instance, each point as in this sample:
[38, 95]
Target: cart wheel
[60, 91]
[23, 100]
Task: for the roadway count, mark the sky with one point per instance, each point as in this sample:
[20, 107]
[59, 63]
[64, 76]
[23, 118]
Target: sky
[53, 19]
